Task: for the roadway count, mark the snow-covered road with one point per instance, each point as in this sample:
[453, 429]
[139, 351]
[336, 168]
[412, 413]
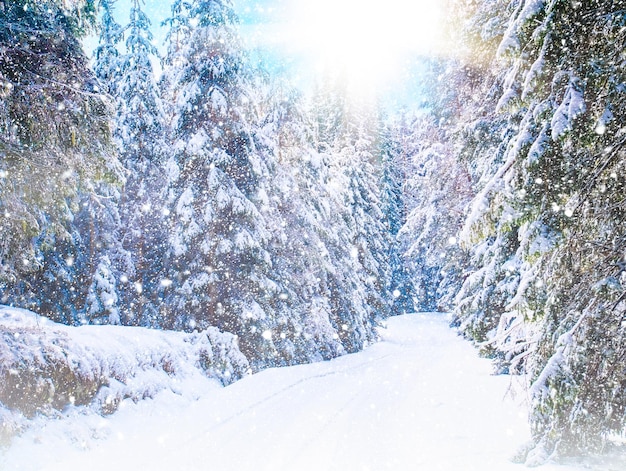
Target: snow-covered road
[419, 400]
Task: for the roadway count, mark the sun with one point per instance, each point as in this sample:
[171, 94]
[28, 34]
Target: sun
[365, 42]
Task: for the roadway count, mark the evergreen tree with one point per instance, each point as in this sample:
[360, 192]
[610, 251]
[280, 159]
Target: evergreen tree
[102, 300]
[572, 186]
[393, 205]
[328, 112]
[139, 130]
[219, 261]
[300, 261]
[53, 136]
[545, 227]
[346, 138]
[361, 157]
[100, 260]
[177, 37]
[106, 55]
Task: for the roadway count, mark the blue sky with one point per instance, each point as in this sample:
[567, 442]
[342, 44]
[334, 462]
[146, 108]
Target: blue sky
[256, 16]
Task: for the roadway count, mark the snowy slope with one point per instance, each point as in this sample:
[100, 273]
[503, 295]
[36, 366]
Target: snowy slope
[420, 399]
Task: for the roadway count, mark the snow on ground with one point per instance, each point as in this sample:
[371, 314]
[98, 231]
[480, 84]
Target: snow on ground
[419, 400]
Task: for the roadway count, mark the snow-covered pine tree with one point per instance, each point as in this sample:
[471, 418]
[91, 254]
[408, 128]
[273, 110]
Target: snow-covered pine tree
[328, 111]
[393, 205]
[98, 252]
[177, 37]
[480, 138]
[102, 299]
[425, 190]
[95, 245]
[435, 190]
[573, 181]
[53, 136]
[139, 132]
[57, 290]
[360, 157]
[547, 287]
[357, 282]
[73, 276]
[300, 262]
[219, 262]
[106, 55]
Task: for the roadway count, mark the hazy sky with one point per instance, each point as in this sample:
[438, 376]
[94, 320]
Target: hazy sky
[377, 45]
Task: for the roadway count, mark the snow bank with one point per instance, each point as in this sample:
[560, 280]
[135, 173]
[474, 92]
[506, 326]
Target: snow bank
[46, 367]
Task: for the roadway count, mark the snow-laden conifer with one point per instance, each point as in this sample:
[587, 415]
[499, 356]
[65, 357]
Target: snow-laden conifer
[139, 132]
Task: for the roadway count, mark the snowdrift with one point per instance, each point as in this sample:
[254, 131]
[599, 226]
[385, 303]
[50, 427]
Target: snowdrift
[46, 367]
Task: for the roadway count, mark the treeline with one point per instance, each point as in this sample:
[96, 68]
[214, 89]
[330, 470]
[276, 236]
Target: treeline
[525, 140]
[214, 196]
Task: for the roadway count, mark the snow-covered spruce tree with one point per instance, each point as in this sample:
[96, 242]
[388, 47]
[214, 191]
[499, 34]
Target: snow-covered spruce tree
[102, 299]
[393, 205]
[356, 285]
[296, 207]
[327, 112]
[63, 287]
[548, 222]
[73, 274]
[360, 157]
[92, 263]
[179, 30]
[98, 253]
[578, 371]
[437, 188]
[436, 185]
[478, 137]
[106, 55]
[219, 262]
[139, 132]
[54, 134]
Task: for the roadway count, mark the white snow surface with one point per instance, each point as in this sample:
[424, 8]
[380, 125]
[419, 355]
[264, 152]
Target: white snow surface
[421, 399]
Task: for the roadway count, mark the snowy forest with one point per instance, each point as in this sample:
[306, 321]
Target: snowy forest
[270, 227]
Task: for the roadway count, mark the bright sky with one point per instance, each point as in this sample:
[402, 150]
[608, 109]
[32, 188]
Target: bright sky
[372, 45]
[367, 42]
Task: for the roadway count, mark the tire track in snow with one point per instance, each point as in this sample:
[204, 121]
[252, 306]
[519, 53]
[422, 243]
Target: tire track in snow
[280, 392]
[308, 444]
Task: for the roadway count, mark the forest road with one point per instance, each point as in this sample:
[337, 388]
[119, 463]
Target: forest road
[421, 399]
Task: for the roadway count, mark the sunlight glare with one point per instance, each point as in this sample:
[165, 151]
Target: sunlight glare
[363, 41]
